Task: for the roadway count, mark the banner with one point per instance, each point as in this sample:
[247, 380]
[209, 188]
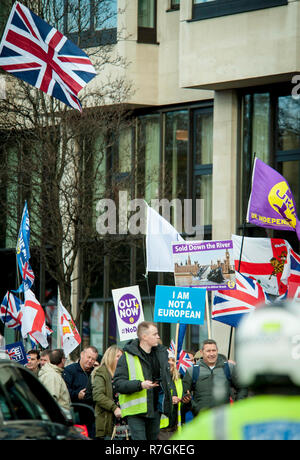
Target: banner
[70, 338]
[129, 311]
[271, 203]
[23, 252]
[159, 238]
[179, 305]
[265, 259]
[206, 264]
[16, 352]
[34, 320]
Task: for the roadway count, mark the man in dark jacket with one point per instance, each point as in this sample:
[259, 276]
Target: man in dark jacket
[142, 372]
[216, 378]
[76, 375]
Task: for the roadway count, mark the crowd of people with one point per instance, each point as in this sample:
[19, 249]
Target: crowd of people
[137, 392]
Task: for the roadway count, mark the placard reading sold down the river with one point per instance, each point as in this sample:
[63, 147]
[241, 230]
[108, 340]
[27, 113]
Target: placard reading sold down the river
[129, 311]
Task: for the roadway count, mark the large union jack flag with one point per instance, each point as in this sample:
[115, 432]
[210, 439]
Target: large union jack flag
[37, 53]
[10, 311]
[230, 306]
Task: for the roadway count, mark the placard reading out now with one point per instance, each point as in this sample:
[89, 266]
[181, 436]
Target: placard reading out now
[179, 305]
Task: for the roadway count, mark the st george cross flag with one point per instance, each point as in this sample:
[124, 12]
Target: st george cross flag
[10, 311]
[271, 202]
[40, 55]
[265, 259]
[33, 319]
[70, 338]
[23, 251]
[229, 306]
[160, 235]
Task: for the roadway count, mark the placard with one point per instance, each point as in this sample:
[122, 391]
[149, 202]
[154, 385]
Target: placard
[179, 305]
[129, 311]
[206, 264]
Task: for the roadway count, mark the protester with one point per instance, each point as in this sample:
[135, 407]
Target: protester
[33, 364]
[168, 426]
[51, 376]
[76, 375]
[141, 371]
[44, 357]
[268, 362]
[198, 380]
[106, 407]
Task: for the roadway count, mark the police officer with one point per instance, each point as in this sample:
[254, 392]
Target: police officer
[268, 362]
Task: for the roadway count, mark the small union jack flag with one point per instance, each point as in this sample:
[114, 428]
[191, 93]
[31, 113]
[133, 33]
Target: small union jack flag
[10, 311]
[183, 361]
[40, 55]
[27, 274]
[230, 306]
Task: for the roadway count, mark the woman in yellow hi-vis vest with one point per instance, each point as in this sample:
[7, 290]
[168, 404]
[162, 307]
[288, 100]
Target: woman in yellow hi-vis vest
[142, 372]
[168, 426]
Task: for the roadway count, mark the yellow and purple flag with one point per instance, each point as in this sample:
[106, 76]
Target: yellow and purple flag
[271, 203]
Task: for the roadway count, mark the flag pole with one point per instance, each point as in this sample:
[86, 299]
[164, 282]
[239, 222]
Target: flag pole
[176, 343]
[207, 315]
[242, 246]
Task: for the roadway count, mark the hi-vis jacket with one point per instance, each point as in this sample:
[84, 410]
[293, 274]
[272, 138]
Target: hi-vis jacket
[265, 417]
[132, 370]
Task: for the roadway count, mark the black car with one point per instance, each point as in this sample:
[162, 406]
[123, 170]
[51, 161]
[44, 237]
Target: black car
[28, 411]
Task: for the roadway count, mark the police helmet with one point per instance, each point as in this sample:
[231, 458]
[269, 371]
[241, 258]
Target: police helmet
[268, 345]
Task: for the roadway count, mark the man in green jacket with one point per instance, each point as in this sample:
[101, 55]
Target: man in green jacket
[141, 373]
[214, 381]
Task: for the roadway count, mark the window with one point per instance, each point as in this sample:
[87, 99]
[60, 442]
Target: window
[202, 159]
[271, 130]
[176, 158]
[204, 9]
[147, 21]
[175, 4]
[148, 157]
[86, 22]
[17, 401]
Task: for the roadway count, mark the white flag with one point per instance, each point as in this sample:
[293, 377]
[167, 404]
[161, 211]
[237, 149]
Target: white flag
[159, 238]
[70, 338]
[33, 319]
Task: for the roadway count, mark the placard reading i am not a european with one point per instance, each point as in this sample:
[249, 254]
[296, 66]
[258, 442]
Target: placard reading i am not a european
[175, 304]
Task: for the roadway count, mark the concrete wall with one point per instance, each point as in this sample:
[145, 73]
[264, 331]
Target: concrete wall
[241, 49]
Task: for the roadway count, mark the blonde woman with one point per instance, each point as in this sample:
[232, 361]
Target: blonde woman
[105, 405]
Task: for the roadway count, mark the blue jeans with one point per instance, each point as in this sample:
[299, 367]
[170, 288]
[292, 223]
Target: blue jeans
[144, 428]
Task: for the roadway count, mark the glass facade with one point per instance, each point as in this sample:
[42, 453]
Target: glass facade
[271, 131]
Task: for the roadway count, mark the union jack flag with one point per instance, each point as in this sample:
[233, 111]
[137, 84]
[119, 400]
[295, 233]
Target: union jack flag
[40, 55]
[10, 311]
[294, 275]
[230, 306]
[183, 360]
[27, 274]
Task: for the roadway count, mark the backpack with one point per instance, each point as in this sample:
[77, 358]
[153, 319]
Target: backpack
[196, 373]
